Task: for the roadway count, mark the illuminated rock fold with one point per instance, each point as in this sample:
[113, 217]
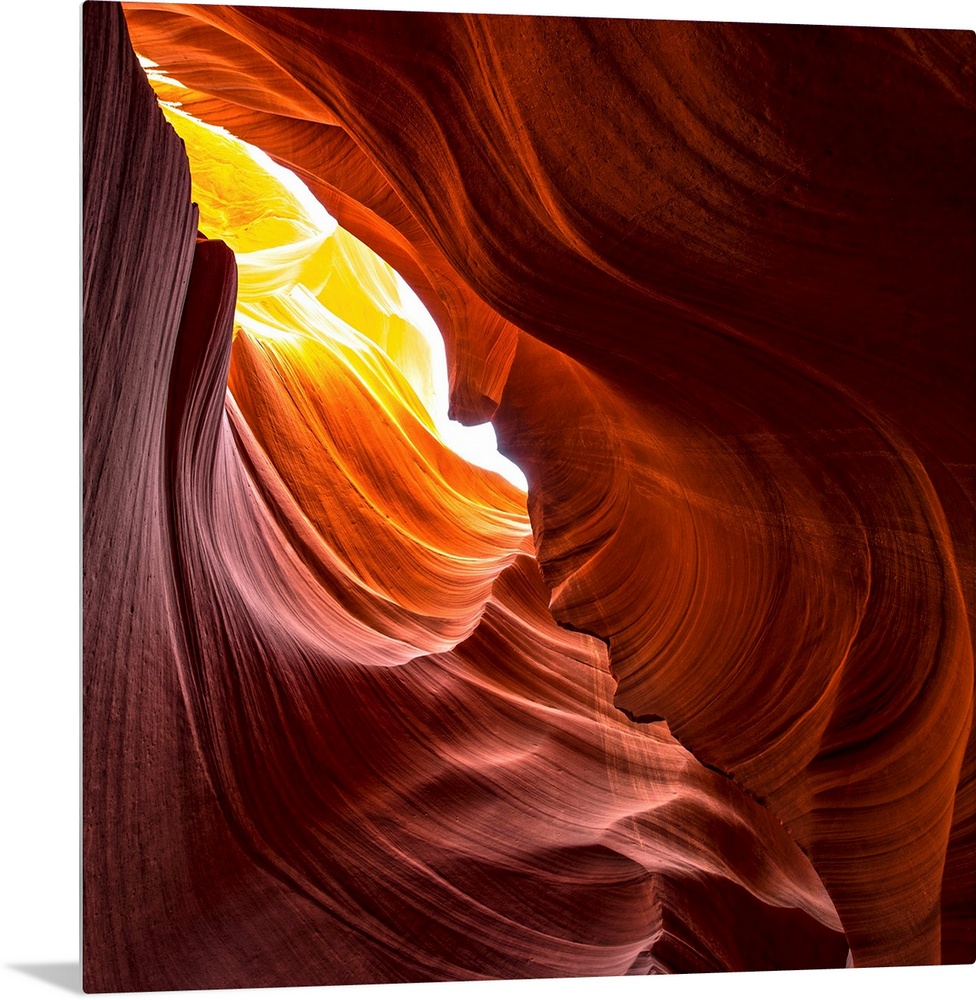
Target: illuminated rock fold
[710, 283]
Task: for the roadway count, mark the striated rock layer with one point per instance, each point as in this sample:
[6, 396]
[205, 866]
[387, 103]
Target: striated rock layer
[712, 284]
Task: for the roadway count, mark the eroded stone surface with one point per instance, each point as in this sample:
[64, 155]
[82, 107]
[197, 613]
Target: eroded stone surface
[713, 283]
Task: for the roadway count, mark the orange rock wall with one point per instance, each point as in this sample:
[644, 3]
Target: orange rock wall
[712, 283]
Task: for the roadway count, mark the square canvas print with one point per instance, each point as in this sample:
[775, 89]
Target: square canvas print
[528, 519]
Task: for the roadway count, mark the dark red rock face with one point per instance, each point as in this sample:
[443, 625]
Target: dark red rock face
[713, 285]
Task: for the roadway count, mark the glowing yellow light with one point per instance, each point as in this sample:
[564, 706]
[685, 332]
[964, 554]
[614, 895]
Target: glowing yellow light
[305, 281]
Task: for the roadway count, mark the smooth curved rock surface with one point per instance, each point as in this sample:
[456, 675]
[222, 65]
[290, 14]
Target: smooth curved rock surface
[711, 282]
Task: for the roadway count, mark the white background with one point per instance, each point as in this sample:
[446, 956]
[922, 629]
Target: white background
[39, 417]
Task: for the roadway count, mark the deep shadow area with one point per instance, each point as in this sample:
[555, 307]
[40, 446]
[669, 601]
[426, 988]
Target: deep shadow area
[67, 975]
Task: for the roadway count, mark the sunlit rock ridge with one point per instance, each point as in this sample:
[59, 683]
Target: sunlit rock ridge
[357, 710]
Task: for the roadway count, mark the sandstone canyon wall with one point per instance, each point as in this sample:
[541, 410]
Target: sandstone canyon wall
[358, 711]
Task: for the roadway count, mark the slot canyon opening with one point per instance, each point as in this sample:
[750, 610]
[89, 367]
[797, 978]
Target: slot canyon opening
[301, 275]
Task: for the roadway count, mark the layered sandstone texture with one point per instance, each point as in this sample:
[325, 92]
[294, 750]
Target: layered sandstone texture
[357, 710]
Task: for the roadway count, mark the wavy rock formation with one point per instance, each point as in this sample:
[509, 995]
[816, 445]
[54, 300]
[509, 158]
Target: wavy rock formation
[712, 284]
